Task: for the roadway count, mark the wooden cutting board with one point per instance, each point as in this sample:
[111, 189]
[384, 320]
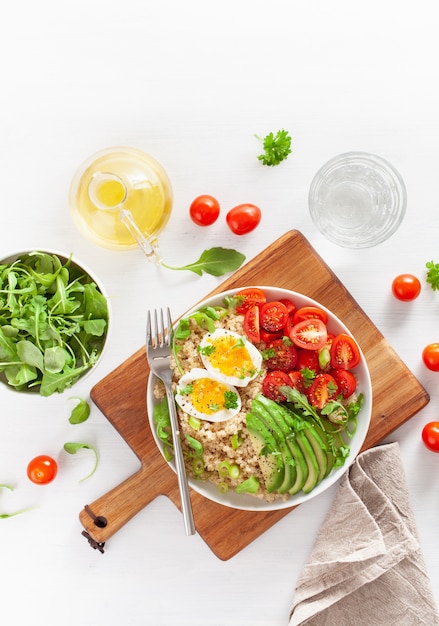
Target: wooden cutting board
[290, 263]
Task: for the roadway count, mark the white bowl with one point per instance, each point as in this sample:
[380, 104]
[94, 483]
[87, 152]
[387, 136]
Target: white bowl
[252, 503]
[76, 266]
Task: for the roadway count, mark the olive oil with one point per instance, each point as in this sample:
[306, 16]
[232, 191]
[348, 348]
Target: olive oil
[130, 179]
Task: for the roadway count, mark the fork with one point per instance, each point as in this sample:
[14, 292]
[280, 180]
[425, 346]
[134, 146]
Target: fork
[158, 352]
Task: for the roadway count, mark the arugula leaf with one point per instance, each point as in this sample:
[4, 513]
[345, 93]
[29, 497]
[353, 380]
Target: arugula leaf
[73, 447]
[80, 412]
[7, 515]
[215, 261]
[276, 148]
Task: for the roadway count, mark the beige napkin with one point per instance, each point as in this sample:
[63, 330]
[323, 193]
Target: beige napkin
[366, 566]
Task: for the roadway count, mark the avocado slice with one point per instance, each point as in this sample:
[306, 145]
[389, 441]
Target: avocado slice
[269, 455]
[311, 461]
[279, 430]
[301, 465]
[319, 449]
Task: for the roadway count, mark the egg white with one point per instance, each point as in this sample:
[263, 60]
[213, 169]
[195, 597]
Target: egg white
[185, 400]
[242, 376]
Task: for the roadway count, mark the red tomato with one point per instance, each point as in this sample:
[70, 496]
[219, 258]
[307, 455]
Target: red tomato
[307, 359]
[248, 297]
[291, 307]
[345, 353]
[346, 381]
[430, 436]
[406, 287]
[430, 356]
[272, 383]
[310, 334]
[42, 469]
[273, 316]
[282, 355]
[266, 337]
[297, 381]
[310, 312]
[204, 210]
[243, 218]
[251, 324]
[323, 389]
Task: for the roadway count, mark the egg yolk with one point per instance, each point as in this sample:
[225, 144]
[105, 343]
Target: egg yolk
[207, 395]
[231, 358]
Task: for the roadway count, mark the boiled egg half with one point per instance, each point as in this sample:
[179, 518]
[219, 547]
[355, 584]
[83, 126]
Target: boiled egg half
[229, 357]
[203, 396]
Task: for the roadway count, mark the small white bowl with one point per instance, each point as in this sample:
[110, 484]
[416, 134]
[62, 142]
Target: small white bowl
[79, 269]
[250, 503]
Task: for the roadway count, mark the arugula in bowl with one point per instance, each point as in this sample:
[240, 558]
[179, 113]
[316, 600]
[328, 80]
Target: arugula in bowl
[53, 322]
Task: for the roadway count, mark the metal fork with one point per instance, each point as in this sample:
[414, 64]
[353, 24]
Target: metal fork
[158, 352]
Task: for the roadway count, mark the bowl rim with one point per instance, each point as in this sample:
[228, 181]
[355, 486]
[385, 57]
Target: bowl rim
[251, 503]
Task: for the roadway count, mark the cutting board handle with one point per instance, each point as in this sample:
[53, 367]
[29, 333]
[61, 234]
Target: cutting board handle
[105, 516]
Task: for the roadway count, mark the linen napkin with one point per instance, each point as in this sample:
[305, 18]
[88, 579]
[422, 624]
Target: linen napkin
[366, 565]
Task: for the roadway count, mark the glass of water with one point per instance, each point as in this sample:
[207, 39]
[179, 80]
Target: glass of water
[357, 200]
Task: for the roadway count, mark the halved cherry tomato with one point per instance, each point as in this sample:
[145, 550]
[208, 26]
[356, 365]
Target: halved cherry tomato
[310, 312]
[430, 356]
[346, 381]
[243, 218]
[345, 354]
[248, 297]
[323, 389]
[272, 383]
[406, 287]
[42, 469]
[307, 359]
[273, 316]
[266, 337]
[310, 334]
[297, 381]
[291, 307]
[430, 436]
[281, 355]
[204, 210]
[251, 324]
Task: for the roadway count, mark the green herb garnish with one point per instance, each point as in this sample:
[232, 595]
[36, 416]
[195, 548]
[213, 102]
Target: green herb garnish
[276, 148]
[433, 274]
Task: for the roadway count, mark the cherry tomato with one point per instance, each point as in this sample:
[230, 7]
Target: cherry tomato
[266, 336]
[272, 383]
[345, 354]
[291, 307]
[244, 218]
[248, 297]
[310, 334]
[251, 324]
[406, 287]
[307, 359]
[282, 355]
[310, 312]
[273, 316]
[204, 210]
[430, 356]
[346, 381]
[323, 389]
[430, 436]
[42, 469]
[297, 381]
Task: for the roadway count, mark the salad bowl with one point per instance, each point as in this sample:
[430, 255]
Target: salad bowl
[54, 321]
[231, 495]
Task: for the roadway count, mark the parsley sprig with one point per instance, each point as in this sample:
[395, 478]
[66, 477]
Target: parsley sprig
[433, 274]
[276, 148]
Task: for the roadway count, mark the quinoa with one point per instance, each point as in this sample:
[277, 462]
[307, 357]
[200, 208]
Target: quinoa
[216, 437]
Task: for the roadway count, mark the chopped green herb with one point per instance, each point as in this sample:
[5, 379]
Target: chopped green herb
[230, 400]
[433, 274]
